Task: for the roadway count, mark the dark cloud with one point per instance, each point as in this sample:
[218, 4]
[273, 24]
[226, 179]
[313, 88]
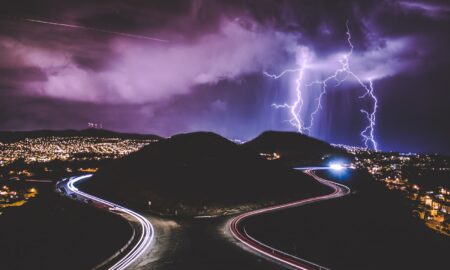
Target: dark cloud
[31, 74]
[208, 76]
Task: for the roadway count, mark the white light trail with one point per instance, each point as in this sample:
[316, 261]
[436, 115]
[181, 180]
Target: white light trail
[73, 26]
[260, 248]
[147, 231]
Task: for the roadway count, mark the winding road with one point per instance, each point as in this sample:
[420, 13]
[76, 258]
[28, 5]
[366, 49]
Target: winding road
[238, 229]
[143, 235]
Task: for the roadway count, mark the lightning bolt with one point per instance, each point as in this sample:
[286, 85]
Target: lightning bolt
[338, 77]
[296, 107]
[368, 133]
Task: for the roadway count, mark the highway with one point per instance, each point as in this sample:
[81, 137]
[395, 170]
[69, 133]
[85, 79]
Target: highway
[240, 234]
[144, 234]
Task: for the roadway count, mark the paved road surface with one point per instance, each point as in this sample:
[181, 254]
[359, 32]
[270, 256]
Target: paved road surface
[143, 231]
[271, 253]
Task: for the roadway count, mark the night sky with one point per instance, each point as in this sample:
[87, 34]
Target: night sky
[166, 67]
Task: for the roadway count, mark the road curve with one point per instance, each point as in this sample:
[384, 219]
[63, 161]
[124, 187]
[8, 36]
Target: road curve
[279, 256]
[147, 232]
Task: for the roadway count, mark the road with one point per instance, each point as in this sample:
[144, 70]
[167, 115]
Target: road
[238, 229]
[181, 253]
[143, 235]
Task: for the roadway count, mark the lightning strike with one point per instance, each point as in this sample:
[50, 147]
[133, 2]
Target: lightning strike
[339, 76]
[345, 69]
[274, 76]
[296, 107]
[368, 132]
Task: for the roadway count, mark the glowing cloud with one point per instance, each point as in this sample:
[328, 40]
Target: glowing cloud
[343, 73]
[142, 72]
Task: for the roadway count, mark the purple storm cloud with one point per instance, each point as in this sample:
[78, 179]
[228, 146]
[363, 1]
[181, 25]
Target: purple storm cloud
[113, 68]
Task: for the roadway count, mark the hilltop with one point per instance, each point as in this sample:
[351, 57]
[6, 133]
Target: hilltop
[199, 173]
[294, 148]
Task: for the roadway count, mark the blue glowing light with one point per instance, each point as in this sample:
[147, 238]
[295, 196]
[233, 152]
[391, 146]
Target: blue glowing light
[337, 166]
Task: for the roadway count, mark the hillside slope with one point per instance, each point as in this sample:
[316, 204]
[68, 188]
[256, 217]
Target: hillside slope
[294, 148]
[198, 173]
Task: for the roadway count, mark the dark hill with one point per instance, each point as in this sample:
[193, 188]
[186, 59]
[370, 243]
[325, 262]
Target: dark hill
[293, 147]
[11, 136]
[198, 173]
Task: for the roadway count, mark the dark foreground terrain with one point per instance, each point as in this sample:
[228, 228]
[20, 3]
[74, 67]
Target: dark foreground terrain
[294, 148]
[199, 174]
[52, 232]
[372, 229]
[203, 244]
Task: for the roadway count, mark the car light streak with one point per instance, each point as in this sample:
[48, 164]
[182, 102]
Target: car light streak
[147, 231]
[242, 236]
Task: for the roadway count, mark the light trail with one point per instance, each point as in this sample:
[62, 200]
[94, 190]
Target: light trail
[147, 231]
[267, 251]
[38, 181]
[79, 27]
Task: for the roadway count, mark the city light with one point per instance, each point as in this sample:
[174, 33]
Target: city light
[430, 203]
[46, 149]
